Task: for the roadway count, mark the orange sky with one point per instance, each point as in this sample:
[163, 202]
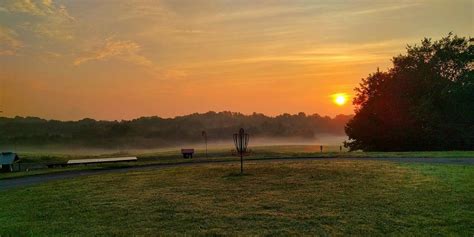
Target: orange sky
[124, 59]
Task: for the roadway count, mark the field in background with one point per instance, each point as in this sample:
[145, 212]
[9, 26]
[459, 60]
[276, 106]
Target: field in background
[37, 160]
[332, 143]
[323, 197]
[225, 150]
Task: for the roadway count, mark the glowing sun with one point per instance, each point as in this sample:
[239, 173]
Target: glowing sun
[340, 98]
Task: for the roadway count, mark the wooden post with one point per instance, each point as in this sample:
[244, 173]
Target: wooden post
[241, 163]
[204, 134]
[241, 137]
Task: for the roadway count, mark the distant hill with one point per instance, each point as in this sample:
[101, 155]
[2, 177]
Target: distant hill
[147, 132]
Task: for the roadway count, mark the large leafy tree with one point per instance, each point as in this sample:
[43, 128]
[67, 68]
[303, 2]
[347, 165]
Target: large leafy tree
[424, 102]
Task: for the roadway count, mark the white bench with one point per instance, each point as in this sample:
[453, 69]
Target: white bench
[100, 160]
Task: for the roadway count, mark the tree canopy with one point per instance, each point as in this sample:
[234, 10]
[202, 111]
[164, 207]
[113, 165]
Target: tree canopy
[424, 102]
[161, 132]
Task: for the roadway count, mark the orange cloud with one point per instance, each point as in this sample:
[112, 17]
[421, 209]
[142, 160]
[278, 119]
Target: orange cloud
[9, 42]
[37, 8]
[124, 50]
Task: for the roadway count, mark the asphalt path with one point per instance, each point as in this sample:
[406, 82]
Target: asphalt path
[6, 184]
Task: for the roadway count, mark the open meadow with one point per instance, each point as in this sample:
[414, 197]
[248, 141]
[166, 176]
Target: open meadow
[236, 118]
[335, 197]
[39, 158]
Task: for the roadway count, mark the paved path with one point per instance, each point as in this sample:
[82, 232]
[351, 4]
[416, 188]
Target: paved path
[37, 179]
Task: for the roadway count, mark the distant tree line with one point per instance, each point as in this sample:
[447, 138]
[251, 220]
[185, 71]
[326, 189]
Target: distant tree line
[424, 102]
[148, 132]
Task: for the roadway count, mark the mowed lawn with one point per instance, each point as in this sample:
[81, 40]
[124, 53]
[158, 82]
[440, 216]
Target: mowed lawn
[278, 198]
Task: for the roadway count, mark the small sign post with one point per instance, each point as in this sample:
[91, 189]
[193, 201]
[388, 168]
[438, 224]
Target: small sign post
[204, 134]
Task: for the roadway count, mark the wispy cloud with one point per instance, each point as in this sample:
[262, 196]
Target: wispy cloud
[50, 20]
[327, 54]
[9, 42]
[139, 9]
[385, 8]
[32, 7]
[321, 59]
[258, 13]
[127, 51]
[124, 50]
[387, 48]
[51, 30]
[36, 7]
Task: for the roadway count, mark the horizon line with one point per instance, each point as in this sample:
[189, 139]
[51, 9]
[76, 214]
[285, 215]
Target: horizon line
[177, 116]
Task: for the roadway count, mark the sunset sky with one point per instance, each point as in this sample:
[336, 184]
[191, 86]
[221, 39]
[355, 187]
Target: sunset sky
[122, 59]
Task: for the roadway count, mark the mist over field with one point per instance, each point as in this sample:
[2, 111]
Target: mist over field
[330, 143]
[154, 132]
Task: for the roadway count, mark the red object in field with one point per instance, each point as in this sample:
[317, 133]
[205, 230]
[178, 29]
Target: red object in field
[187, 153]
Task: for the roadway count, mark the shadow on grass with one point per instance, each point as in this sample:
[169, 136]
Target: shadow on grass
[236, 176]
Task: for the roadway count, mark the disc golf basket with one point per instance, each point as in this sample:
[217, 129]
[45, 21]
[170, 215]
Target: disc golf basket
[241, 140]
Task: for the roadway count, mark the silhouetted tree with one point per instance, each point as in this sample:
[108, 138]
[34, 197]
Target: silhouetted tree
[424, 102]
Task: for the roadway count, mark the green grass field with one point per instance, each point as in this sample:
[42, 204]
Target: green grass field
[52, 156]
[172, 155]
[280, 198]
